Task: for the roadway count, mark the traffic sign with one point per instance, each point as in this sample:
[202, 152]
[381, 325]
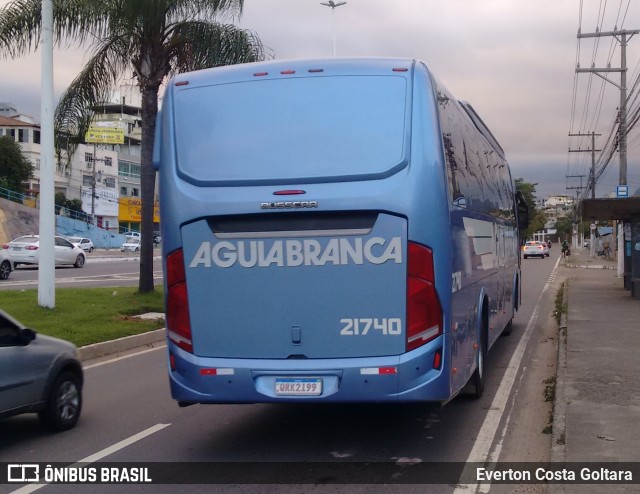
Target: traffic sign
[622, 191]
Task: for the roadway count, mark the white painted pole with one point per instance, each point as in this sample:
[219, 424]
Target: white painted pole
[333, 30]
[46, 269]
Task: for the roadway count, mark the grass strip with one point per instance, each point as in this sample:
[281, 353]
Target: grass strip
[86, 315]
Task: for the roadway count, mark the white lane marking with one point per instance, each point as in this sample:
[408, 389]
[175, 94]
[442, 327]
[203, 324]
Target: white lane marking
[157, 275]
[482, 447]
[110, 361]
[100, 454]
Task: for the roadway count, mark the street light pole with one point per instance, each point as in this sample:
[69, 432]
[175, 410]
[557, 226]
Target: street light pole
[46, 269]
[333, 6]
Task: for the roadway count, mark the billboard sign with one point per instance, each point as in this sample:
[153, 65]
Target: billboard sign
[131, 210]
[104, 133]
[106, 201]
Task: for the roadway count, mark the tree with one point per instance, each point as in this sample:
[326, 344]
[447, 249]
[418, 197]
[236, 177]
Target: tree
[15, 168]
[564, 228]
[151, 39]
[71, 204]
[528, 191]
[537, 218]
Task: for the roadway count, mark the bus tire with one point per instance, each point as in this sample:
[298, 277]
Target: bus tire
[508, 328]
[477, 380]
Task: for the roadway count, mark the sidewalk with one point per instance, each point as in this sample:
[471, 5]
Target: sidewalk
[597, 405]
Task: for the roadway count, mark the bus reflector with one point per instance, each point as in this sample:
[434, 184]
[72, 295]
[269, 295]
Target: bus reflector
[287, 72]
[260, 74]
[182, 83]
[178, 321]
[424, 314]
[437, 359]
[376, 371]
[216, 372]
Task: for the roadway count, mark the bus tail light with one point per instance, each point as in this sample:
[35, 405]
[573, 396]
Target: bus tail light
[178, 322]
[424, 314]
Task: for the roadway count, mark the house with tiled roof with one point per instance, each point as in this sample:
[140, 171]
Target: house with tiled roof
[27, 134]
[116, 177]
[77, 179]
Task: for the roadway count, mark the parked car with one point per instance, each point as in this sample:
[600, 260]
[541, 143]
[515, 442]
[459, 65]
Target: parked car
[535, 249]
[84, 243]
[39, 374]
[25, 250]
[131, 245]
[5, 264]
[132, 234]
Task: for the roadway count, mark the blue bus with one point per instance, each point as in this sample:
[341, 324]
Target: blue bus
[338, 230]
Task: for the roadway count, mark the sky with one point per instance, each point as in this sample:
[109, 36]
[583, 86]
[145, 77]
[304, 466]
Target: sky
[513, 60]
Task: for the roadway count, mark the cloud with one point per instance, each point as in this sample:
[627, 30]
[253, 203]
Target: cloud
[512, 60]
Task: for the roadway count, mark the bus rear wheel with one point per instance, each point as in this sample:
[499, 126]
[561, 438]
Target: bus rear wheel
[477, 380]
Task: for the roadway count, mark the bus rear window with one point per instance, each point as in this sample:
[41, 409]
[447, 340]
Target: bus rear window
[308, 129]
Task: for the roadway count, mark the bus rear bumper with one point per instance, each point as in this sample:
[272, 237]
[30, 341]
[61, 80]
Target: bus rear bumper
[410, 377]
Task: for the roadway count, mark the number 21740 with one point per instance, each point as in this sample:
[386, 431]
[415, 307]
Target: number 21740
[362, 326]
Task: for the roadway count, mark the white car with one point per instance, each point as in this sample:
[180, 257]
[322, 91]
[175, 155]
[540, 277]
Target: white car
[131, 245]
[535, 249]
[84, 243]
[132, 234]
[25, 250]
[5, 264]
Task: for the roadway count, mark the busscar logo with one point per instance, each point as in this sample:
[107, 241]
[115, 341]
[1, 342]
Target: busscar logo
[23, 472]
[289, 205]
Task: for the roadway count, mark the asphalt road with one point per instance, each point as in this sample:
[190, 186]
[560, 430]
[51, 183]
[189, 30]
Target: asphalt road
[129, 416]
[97, 272]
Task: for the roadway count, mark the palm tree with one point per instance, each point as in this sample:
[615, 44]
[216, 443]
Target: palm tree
[149, 39]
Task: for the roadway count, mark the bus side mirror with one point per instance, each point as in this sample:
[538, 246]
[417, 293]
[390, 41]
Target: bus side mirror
[523, 211]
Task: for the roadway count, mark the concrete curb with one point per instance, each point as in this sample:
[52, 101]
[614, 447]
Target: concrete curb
[97, 350]
[590, 266]
[559, 426]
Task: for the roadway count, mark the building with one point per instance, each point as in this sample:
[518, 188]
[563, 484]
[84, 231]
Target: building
[91, 175]
[124, 112]
[562, 201]
[26, 132]
[105, 176]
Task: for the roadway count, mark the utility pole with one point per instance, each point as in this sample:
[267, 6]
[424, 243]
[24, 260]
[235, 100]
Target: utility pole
[592, 179]
[623, 36]
[96, 177]
[593, 150]
[576, 215]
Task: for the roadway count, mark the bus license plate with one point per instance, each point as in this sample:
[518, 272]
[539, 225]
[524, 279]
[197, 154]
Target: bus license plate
[298, 386]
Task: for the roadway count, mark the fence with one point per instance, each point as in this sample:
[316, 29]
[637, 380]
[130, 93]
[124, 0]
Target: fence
[32, 201]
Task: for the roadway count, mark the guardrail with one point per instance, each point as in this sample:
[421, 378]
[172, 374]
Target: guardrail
[17, 196]
[32, 201]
